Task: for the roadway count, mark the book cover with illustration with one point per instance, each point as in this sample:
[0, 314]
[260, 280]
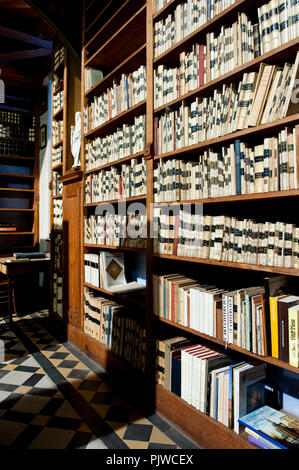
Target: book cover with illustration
[277, 426]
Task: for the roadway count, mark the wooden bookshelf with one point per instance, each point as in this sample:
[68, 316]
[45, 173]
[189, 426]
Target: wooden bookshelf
[19, 181]
[132, 26]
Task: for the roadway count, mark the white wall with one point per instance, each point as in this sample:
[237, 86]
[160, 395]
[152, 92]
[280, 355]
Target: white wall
[45, 177]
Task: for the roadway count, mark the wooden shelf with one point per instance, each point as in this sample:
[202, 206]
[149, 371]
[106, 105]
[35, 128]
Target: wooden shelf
[233, 347]
[58, 114]
[284, 52]
[132, 298]
[243, 197]
[228, 264]
[132, 62]
[210, 433]
[115, 163]
[16, 176]
[16, 210]
[15, 190]
[17, 158]
[131, 33]
[57, 167]
[114, 248]
[121, 118]
[272, 126]
[57, 196]
[16, 233]
[115, 201]
[60, 142]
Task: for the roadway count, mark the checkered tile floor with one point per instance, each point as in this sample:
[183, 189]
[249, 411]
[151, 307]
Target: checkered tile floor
[52, 396]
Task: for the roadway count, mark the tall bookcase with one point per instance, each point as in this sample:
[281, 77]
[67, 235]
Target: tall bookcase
[65, 187]
[19, 152]
[119, 42]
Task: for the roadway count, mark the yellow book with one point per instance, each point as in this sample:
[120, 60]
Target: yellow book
[293, 320]
[274, 324]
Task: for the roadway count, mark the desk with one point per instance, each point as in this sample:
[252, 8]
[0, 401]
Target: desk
[13, 269]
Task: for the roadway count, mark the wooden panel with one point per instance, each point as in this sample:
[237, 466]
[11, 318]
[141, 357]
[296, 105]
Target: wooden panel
[72, 210]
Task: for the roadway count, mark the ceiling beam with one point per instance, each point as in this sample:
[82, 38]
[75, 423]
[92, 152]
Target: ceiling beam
[28, 54]
[24, 37]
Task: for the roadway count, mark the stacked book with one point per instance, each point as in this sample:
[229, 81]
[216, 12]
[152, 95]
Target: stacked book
[17, 132]
[57, 214]
[10, 117]
[58, 101]
[278, 23]
[57, 156]
[58, 57]
[124, 142]
[234, 316]
[114, 326]
[116, 230]
[260, 97]
[270, 428]
[120, 97]
[57, 250]
[126, 181]
[57, 184]
[92, 77]
[211, 382]
[172, 83]
[14, 147]
[57, 294]
[240, 168]
[187, 17]
[107, 271]
[57, 131]
[225, 238]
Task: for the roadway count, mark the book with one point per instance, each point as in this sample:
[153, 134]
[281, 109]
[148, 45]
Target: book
[243, 376]
[276, 426]
[282, 313]
[293, 325]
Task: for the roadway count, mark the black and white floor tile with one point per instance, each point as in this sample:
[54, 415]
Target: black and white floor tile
[52, 396]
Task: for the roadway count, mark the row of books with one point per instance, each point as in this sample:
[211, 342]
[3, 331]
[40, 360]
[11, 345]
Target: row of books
[125, 141]
[58, 57]
[17, 132]
[224, 238]
[261, 319]
[211, 382]
[260, 97]
[57, 156]
[126, 181]
[14, 147]
[92, 77]
[57, 251]
[11, 117]
[277, 24]
[130, 91]
[57, 131]
[235, 317]
[107, 271]
[57, 214]
[235, 45]
[58, 101]
[114, 326]
[172, 83]
[116, 230]
[57, 294]
[240, 168]
[57, 82]
[57, 185]
[186, 18]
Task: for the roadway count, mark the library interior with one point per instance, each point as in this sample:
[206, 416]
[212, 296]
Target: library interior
[149, 236]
